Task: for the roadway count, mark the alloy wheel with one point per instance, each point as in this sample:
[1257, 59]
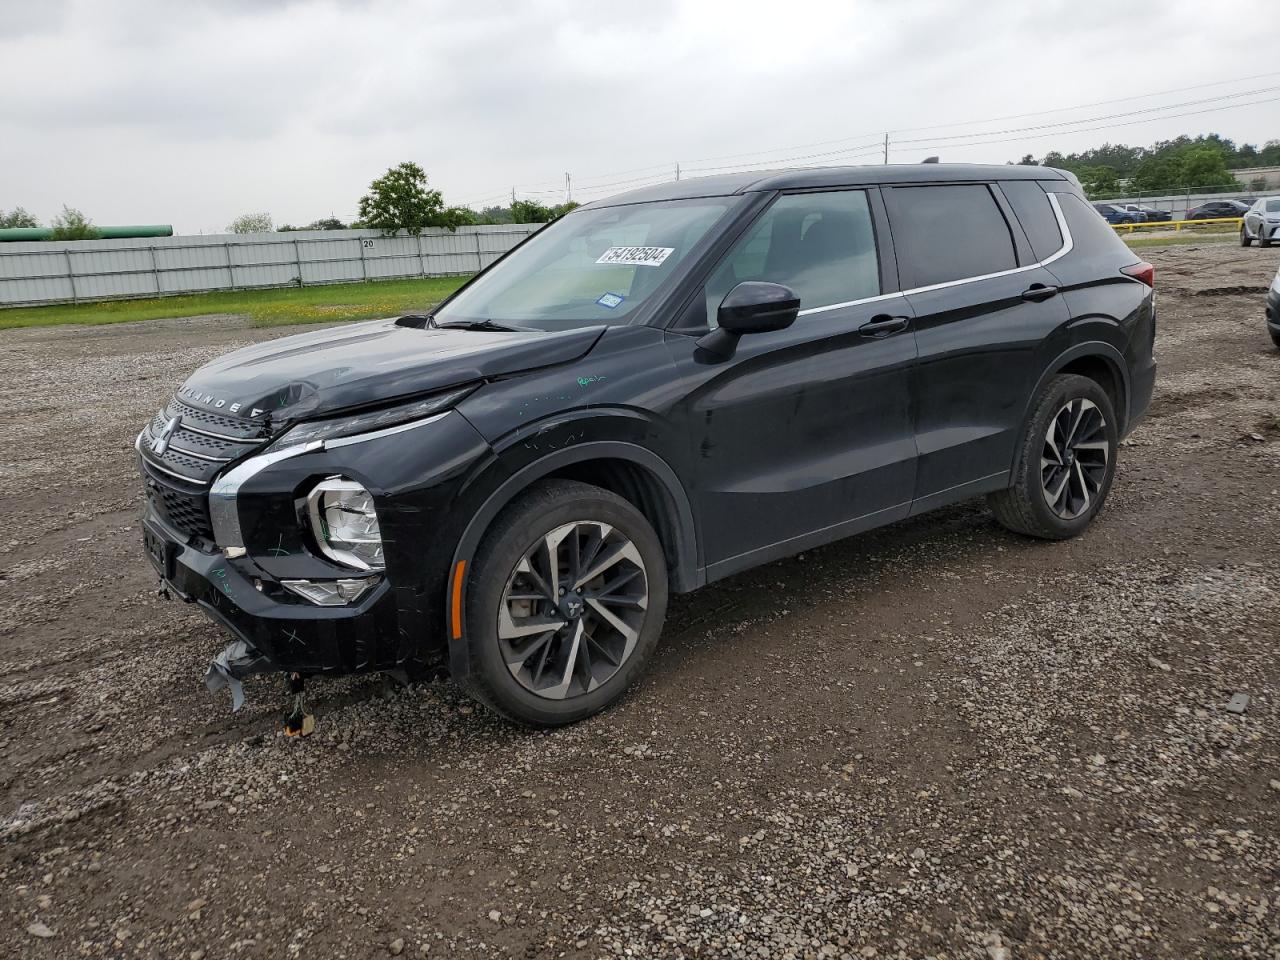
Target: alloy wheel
[573, 609]
[1073, 464]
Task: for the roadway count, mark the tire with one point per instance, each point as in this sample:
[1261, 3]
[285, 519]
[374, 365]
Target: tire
[563, 674]
[1263, 241]
[1275, 337]
[1245, 239]
[1088, 463]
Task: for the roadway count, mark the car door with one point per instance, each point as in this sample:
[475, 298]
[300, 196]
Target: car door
[803, 435]
[981, 306]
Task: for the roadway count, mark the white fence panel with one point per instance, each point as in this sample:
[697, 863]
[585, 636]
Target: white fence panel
[53, 272]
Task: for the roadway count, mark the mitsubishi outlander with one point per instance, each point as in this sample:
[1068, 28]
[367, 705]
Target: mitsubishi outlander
[656, 391]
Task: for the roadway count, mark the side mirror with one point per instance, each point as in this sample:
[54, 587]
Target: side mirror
[751, 307]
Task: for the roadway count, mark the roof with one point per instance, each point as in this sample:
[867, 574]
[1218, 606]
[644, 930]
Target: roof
[730, 184]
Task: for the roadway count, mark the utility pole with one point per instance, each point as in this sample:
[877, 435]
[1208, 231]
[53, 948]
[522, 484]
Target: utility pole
[513, 195]
[568, 188]
[886, 148]
[677, 171]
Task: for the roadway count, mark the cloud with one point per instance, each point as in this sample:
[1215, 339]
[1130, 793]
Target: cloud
[192, 113]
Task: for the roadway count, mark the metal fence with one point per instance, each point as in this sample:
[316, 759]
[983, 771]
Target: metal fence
[1179, 203]
[86, 270]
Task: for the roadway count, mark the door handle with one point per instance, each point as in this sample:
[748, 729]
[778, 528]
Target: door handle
[1038, 291]
[881, 325]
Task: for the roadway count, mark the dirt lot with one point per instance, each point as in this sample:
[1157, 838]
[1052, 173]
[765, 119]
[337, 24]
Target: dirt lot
[936, 740]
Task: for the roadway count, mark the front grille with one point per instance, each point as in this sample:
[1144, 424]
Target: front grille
[187, 512]
[217, 422]
[201, 445]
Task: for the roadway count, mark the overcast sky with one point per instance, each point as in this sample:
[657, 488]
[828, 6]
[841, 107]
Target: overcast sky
[145, 111]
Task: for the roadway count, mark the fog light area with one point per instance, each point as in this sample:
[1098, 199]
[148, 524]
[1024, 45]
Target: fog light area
[332, 593]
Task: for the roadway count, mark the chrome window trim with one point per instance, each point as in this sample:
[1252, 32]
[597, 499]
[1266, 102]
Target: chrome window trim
[1067, 245]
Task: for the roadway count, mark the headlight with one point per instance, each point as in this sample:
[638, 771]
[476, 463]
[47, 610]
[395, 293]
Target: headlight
[345, 523]
[404, 413]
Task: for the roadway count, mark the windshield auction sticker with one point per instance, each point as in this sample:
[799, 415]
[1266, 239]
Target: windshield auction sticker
[636, 256]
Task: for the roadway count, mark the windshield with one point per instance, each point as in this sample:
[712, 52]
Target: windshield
[1273, 206]
[594, 266]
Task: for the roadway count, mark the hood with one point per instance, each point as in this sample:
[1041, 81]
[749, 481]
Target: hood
[365, 363]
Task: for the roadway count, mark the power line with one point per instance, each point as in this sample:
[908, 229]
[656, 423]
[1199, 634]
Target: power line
[602, 182]
[1083, 106]
[1068, 123]
[1107, 126]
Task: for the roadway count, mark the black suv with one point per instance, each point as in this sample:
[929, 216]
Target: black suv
[654, 392]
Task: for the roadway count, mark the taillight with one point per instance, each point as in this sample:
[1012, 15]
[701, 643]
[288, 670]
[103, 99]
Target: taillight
[1141, 271]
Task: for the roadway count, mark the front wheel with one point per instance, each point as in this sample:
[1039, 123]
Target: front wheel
[1245, 239]
[1066, 463]
[566, 599]
[1275, 337]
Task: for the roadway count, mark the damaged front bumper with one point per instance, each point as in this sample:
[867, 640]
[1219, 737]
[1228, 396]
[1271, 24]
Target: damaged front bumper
[242, 546]
[280, 633]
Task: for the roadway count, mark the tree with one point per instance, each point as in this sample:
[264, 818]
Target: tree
[17, 217]
[1205, 167]
[73, 225]
[529, 211]
[399, 199]
[455, 217]
[1099, 181]
[1158, 175]
[250, 223]
[326, 223]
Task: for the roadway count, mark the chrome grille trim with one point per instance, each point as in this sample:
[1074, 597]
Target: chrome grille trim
[220, 436]
[199, 456]
[152, 465]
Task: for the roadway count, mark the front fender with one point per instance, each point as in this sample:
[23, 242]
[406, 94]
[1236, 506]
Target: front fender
[538, 450]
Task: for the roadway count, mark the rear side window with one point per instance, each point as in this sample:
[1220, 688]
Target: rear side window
[1031, 206]
[947, 233]
[821, 245]
[1089, 231]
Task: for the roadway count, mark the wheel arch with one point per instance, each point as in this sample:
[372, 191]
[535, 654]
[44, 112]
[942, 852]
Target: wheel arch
[1095, 359]
[633, 472]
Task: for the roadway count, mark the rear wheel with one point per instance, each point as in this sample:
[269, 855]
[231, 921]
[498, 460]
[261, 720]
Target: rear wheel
[566, 599]
[1066, 463]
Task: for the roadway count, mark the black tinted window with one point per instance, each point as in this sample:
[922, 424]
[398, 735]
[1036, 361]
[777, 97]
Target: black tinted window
[1031, 207]
[948, 233]
[821, 245]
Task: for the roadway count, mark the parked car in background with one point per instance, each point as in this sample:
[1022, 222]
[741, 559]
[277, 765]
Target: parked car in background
[1113, 214]
[1217, 208]
[1261, 222]
[1156, 216]
[652, 393]
[1137, 211]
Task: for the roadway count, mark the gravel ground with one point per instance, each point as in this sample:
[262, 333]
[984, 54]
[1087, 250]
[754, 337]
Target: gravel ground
[936, 740]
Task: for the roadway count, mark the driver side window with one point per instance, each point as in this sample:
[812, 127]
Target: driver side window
[821, 245]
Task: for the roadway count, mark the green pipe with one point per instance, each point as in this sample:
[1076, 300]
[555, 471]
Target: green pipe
[12, 234]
